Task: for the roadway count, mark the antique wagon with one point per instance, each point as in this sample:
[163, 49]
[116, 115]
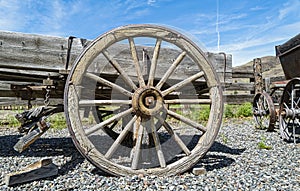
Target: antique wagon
[268, 109]
[132, 97]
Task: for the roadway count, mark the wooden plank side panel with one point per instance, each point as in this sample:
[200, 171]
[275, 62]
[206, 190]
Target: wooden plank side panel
[240, 87]
[238, 99]
[48, 52]
[18, 49]
[223, 65]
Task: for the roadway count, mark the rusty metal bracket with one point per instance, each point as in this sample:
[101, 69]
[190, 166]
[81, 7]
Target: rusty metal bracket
[70, 42]
[25, 92]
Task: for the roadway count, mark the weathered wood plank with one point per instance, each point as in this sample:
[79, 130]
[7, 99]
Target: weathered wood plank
[49, 53]
[242, 74]
[223, 65]
[19, 49]
[31, 58]
[38, 170]
[239, 86]
[238, 99]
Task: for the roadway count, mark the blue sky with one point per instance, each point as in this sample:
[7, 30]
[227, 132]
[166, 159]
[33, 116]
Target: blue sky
[245, 29]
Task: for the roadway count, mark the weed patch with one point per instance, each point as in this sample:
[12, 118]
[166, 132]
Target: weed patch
[262, 144]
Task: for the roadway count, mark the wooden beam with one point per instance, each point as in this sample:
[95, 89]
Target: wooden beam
[239, 87]
[38, 170]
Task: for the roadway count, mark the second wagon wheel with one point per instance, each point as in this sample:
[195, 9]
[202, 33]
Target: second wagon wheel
[264, 111]
[289, 116]
[157, 98]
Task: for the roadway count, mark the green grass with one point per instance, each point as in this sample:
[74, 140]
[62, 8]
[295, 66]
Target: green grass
[10, 121]
[236, 111]
[224, 138]
[262, 144]
[230, 111]
[57, 121]
[204, 113]
[244, 110]
[201, 112]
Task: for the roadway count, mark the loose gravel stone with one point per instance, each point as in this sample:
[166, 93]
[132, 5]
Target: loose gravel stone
[234, 162]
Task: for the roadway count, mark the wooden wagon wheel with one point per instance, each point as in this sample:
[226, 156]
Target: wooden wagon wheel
[289, 116]
[264, 111]
[163, 82]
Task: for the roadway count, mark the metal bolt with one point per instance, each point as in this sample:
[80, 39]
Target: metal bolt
[149, 101]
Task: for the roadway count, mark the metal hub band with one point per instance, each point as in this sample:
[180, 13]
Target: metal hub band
[147, 101]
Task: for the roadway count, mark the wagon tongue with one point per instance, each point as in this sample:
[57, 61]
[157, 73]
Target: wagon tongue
[33, 124]
[40, 128]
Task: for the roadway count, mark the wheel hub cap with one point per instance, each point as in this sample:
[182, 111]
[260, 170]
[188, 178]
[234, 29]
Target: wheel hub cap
[147, 101]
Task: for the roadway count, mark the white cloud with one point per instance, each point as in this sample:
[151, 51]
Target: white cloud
[241, 30]
[257, 8]
[10, 18]
[252, 43]
[151, 2]
[290, 7]
[289, 29]
[225, 18]
[131, 5]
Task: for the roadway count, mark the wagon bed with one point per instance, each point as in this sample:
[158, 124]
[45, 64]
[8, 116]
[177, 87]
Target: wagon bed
[140, 88]
[289, 56]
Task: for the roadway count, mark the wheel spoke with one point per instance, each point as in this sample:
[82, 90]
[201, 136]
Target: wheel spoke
[171, 70]
[103, 102]
[188, 101]
[110, 84]
[136, 62]
[285, 105]
[203, 91]
[284, 127]
[158, 148]
[291, 100]
[137, 148]
[187, 121]
[108, 121]
[294, 130]
[292, 97]
[264, 112]
[122, 72]
[182, 83]
[154, 62]
[174, 135]
[120, 138]
[297, 102]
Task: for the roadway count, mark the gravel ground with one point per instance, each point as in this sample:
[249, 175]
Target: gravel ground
[234, 162]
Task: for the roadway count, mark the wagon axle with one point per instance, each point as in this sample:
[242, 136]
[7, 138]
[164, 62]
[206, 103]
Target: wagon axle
[291, 113]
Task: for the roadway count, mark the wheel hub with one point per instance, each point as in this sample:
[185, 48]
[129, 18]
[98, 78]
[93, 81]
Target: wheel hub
[147, 101]
[290, 113]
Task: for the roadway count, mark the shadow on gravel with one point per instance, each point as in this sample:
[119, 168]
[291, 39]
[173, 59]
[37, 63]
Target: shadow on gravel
[50, 147]
[219, 147]
[44, 147]
[217, 161]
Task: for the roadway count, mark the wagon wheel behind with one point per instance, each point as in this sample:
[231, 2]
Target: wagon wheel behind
[289, 116]
[264, 111]
[154, 86]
